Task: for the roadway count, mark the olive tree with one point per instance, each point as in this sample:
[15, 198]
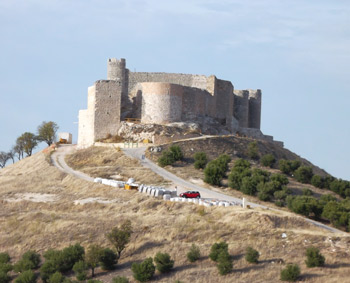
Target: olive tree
[47, 132]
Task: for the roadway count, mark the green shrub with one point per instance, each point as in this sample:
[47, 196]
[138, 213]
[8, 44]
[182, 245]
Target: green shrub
[282, 179]
[163, 262]
[303, 174]
[251, 255]
[108, 259]
[4, 258]
[166, 158]
[194, 253]
[32, 256]
[57, 277]
[268, 160]
[200, 160]
[143, 271]
[120, 279]
[95, 281]
[23, 265]
[30, 260]
[290, 273]
[281, 195]
[304, 205]
[314, 257]
[241, 165]
[48, 268]
[5, 267]
[317, 181]
[64, 260]
[307, 192]
[79, 269]
[176, 152]
[253, 150]
[213, 174]
[216, 249]
[224, 262]
[223, 160]
[4, 278]
[248, 186]
[27, 276]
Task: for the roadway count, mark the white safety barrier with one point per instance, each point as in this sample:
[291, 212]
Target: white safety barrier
[169, 195]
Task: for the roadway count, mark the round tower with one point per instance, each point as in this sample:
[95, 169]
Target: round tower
[254, 108]
[241, 107]
[161, 103]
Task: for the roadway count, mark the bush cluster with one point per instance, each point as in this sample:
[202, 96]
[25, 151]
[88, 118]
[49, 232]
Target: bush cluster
[170, 156]
[288, 166]
[327, 207]
[258, 182]
[216, 170]
[163, 262]
[219, 253]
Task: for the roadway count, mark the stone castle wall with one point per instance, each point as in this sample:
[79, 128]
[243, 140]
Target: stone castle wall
[162, 98]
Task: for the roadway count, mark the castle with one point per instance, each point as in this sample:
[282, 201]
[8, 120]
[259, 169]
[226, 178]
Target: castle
[163, 98]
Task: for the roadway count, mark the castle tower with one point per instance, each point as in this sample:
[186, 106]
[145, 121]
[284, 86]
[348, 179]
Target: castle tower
[116, 71]
[254, 108]
[241, 107]
[161, 103]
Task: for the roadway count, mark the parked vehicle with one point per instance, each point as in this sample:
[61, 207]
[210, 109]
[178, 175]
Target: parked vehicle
[190, 194]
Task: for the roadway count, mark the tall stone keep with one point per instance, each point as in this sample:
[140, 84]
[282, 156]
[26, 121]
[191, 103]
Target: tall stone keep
[254, 108]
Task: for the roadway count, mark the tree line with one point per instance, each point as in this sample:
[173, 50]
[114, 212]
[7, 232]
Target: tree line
[27, 142]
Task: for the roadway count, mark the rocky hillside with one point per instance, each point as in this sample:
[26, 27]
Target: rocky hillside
[43, 208]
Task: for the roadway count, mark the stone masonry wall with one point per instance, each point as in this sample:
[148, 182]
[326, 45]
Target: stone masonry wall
[241, 107]
[161, 103]
[198, 81]
[107, 108]
[254, 108]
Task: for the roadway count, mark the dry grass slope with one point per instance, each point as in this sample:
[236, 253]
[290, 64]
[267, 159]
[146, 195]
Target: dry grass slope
[158, 226]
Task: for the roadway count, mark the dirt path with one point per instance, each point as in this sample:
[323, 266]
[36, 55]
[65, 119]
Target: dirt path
[183, 185]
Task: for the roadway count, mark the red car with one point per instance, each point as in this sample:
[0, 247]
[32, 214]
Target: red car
[190, 194]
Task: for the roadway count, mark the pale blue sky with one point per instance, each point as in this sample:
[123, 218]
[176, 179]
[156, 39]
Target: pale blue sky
[296, 51]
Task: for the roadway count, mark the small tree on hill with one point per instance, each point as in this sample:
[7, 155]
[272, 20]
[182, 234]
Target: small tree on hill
[200, 160]
[212, 174]
[79, 269]
[143, 271]
[120, 236]
[224, 262]
[253, 150]
[251, 255]
[92, 257]
[4, 157]
[314, 257]
[290, 273]
[304, 174]
[47, 132]
[108, 259]
[4, 258]
[163, 262]
[216, 249]
[27, 276]
[176, 152]
[268, 160]
[194, 253]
